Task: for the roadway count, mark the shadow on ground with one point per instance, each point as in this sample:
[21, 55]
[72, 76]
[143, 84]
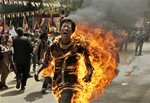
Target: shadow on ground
[34, 96]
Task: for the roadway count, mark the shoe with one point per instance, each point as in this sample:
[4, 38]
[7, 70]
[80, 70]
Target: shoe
[3, 86]
[43, 90]
[36, 78]
[15, 77]
[23, 88]
[18, 84]
[50, 89]
[34, 69]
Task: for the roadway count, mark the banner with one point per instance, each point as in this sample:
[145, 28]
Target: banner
[36, 26]
[2, 25]
[42, 20]
[49, 25]
[24, 23]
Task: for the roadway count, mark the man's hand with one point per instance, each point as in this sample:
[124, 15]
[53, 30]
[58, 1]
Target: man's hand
[87, 78]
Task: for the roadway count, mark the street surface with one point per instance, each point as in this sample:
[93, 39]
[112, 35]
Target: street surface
[132, 84]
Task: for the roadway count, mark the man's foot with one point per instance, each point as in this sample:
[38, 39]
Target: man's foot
[36, 77]
[23, 88]
[15, 77]
[34, 69]
[18, 84]
[135, 55]
[50, 89]
[3, 86]
[43, 90]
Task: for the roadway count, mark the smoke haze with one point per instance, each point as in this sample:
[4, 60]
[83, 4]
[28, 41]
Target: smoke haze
[110, 14]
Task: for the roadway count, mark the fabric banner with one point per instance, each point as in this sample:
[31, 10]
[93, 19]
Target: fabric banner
[49, 25]
[36, 26]
[42, 20]
[24, 23]
[2, 25]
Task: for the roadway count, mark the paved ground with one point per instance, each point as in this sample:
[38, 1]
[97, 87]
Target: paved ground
[134, 88]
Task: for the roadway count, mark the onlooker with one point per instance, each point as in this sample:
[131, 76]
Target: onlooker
[5, 61]
[22, 56]
[41, 47]
[139, 39]
[34, 41]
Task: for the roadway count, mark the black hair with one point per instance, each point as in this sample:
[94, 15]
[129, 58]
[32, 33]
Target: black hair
[26, 34]
[73, 25]
[19, 31]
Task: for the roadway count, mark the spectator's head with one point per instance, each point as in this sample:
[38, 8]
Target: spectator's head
[19, 31]
[26, 34]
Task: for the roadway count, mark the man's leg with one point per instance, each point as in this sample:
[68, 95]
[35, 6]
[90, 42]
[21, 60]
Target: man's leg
[4, 75]
[47, 81]
[140, 48]
[66, 96]
[136, 48]
[18, 76]
[25, 74]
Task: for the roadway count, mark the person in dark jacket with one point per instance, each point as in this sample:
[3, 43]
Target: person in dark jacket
[22, 56]
[139, 41]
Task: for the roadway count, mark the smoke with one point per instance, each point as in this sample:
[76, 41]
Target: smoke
[110, 14]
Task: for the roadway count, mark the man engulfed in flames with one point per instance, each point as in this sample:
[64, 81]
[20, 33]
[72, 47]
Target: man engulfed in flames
[81, 68]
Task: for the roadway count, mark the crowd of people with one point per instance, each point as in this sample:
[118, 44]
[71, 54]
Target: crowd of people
[20, 53]
[139, 36]
[35, 49]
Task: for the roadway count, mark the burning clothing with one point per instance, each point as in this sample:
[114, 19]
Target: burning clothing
[65, 59]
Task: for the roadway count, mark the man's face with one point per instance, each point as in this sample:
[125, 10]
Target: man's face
[66, 30]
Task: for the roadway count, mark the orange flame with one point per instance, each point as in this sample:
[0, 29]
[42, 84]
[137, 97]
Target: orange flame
[103, 56]
[49, 70]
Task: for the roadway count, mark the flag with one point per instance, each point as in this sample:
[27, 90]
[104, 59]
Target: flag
[49, 25]
[10, 22]
[36, 26]
[52, 21]
[24, 23]
[2, 25]
[58, 24]
[41, 21]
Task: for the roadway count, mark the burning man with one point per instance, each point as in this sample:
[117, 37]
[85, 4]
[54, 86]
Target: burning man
[61, 60]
